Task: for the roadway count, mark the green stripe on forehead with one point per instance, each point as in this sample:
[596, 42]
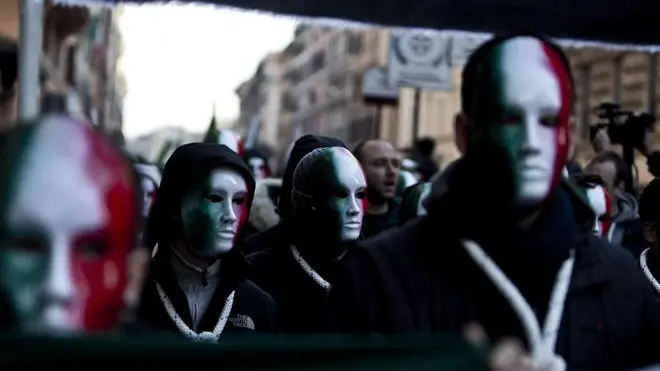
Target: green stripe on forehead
[14, 150]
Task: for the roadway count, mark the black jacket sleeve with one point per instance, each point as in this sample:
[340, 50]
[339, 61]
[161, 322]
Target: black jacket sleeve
[352, 305]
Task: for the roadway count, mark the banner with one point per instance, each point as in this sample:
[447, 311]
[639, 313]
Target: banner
[420, 59]
[376, 87]
[614, 24]
[287, 353]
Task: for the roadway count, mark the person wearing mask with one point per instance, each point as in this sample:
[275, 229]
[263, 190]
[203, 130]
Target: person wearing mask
[198, 284]
[413, 202]
[69, 218]
[649, 213]
[328, 203]
[258, 163]
[625, 228]
[519, 260]
[381, 164]
[278, 236]
[423, 156]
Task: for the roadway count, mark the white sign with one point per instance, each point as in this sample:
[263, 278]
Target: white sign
[420, 59]
[463, 46]
[376, 86]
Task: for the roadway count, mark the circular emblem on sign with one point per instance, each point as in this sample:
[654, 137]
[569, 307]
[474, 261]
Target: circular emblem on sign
[420, 47]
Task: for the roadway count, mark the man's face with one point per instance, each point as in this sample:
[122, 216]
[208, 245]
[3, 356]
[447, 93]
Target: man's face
[67, 231]
[214, 212]
[526, 112]
[381, 165]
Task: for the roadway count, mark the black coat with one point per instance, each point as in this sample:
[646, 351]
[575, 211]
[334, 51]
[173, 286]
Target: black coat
[417, 279]
[253, 309]
[301, 301]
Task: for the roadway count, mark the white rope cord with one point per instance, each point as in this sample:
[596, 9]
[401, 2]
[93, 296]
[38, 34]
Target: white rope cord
[187, 331]
[647, 271]
[308, 269]
[541, 342]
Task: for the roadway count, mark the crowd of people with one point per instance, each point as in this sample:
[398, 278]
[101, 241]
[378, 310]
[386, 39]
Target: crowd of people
[513, 243]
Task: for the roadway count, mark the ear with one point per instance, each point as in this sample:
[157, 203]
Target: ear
[460, 132]
[650, 234]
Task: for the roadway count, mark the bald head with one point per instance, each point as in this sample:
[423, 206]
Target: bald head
[381, 164]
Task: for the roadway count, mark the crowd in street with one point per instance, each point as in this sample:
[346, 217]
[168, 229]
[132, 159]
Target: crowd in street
[515, 245]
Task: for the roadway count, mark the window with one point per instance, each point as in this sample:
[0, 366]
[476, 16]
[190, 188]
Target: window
[318, 62]
[355, 43]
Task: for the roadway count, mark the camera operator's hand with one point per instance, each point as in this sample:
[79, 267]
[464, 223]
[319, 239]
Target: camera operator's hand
[601, 141]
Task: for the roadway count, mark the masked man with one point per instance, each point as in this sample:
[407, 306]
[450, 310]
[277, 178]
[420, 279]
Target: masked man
[198, 285]
[413, 202]
[68, 220]
[521, 259]
[279, 236]
[258, 163]
[599, 200]
[149, 182]
[328, 198]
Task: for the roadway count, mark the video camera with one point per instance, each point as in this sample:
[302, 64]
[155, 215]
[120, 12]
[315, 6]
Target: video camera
[626, 128]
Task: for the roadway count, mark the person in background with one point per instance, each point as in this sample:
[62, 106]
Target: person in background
[625, 229]
[413, 202]
[258, 163]
[279, 236]
[263, 214]
[599, 199]
[423, 156]
[649, 214]
[328, 202]
[69, 219]
[381, 164]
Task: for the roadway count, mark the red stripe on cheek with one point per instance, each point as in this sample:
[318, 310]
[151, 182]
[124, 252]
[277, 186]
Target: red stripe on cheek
[557, 67]
[608, 213]
[242, 219]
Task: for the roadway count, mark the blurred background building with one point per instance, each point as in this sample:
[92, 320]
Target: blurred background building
[313, 86]
[81, 50]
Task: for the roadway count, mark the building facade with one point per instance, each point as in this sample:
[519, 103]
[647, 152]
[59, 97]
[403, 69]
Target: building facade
[81, 47]
[313, 86]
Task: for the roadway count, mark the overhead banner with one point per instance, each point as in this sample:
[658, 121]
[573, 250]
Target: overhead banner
[420, 59]
[615, 24]
[463, 46]
[376, 87]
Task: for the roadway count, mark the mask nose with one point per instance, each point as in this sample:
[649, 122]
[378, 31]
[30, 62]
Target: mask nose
[59, 287]
[530, 145]
[353, 207]
[228, 214]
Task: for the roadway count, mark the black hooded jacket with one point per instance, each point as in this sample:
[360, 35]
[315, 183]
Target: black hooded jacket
[253, 309]
[299, 298]
[419, 279]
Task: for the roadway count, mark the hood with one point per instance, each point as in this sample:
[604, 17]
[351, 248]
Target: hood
[187, 166]
[301, 147]
[628, 208]
[263, 213]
